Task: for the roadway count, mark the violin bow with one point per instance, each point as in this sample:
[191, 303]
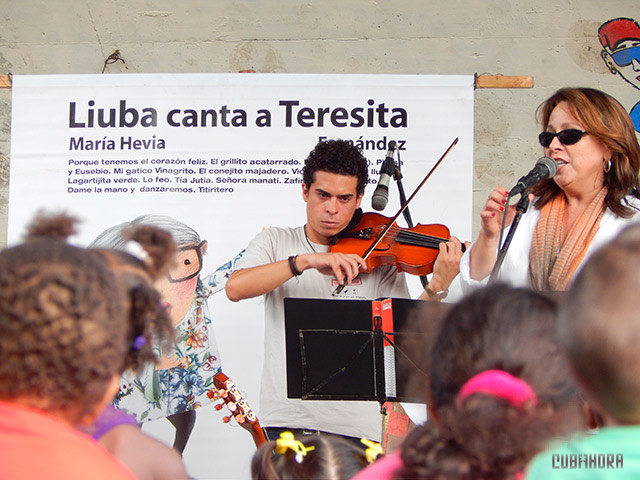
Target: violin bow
[384, 231]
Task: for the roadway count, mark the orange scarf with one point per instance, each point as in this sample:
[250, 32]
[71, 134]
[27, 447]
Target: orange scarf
[551, 264]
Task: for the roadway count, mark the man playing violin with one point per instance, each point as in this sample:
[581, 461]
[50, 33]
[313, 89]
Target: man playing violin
[296, 262]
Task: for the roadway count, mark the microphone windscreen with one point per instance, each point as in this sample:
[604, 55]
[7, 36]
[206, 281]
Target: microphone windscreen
[551, 165]
[380, 198]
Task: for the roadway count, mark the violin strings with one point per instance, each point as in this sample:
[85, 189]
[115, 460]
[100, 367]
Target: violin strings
[410, 233]
[413, 238]
[402, 238]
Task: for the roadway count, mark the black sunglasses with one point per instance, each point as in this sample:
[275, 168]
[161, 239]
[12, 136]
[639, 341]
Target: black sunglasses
[565, 137]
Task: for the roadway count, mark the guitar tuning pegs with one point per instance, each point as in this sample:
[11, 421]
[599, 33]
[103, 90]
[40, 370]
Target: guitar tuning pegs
[240, 419]
[226, 419]
[218, 406]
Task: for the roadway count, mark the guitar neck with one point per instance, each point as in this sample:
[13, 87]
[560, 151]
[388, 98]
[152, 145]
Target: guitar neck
[239, 408]
[259, 437]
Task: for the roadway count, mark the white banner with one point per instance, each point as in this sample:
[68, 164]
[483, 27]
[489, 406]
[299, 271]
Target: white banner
[222, 153]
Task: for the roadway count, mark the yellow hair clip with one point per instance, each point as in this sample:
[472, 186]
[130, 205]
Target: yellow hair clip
[374, 449]
[288, 441]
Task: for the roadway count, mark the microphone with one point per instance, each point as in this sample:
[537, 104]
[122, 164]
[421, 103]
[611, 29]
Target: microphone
[545, 168]
[381, 193]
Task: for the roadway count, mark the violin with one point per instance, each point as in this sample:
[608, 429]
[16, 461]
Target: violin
[412, 250]
[390, 231]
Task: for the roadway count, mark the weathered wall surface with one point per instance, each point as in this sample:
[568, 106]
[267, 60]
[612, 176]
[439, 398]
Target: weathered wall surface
[555, 41]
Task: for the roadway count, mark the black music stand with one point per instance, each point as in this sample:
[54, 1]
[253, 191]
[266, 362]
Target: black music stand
[336, 349]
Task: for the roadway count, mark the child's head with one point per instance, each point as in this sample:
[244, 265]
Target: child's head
[147, 252]
[499, 388]
[63, 324]
[178, 284]
[71, 319]
[600, 326]
[325, 456]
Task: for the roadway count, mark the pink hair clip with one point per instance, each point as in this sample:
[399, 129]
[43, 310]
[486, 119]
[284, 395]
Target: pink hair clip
[500, 384]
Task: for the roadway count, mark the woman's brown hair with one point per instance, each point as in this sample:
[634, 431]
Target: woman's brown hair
[604, 118]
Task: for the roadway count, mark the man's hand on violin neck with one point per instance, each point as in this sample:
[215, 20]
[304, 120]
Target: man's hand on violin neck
[447, 264]
[344, 266]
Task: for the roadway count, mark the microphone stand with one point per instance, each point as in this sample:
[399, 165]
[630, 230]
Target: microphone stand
[397, 176]
[521, 208]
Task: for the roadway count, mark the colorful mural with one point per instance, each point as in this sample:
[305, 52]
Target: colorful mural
[620, 40]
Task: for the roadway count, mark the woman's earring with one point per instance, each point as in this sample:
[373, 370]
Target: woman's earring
[607, 166]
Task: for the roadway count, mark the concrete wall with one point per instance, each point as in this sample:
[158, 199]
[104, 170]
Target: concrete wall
[555, 41]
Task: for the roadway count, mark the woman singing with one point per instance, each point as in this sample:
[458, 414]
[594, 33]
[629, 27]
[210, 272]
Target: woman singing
[593, 195]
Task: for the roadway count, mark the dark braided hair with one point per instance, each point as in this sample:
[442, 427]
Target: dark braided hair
[63, 322]
[333, 458]
[501, 328]
[336, 156]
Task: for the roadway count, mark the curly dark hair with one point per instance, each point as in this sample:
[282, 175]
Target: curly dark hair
[63, 323]
[333, 458]
[336, 156]
[603, 117]
[149, 322]
[503, 328]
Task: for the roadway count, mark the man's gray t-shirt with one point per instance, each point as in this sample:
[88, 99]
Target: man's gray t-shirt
[354, 418]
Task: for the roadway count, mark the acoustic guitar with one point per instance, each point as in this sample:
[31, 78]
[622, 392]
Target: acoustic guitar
[237, 405]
